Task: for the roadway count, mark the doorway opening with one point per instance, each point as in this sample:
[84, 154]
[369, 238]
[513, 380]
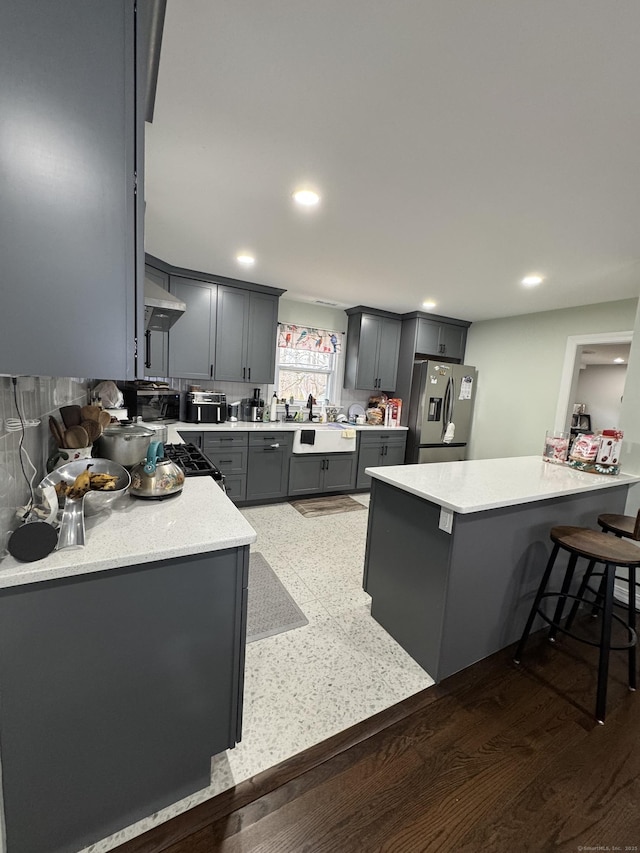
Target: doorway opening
[583, 352]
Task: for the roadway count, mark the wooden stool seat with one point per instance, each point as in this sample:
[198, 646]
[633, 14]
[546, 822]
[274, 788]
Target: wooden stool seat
[611, 552]
[627, 526]
[597, 546]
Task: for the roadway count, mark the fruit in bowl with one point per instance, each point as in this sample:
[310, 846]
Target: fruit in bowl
[100, 482]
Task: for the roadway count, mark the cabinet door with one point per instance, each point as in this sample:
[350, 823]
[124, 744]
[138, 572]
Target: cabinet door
[393, 454]
[156, 344]
[261, 345]
[428, 338]
[368, 349]
[67, 219]
[306, 474]
[388, 351]
[369, 457]
[339, 472]
[190, 354]
[452, 341]
[267, 473]
[231, 334]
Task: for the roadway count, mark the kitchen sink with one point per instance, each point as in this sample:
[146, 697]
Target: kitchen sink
[327, 438]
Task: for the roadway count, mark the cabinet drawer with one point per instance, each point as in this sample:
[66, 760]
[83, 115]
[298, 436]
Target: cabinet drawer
[266, 439]
[380, 437]
[236, 486]
[229, 461]
[224, 439]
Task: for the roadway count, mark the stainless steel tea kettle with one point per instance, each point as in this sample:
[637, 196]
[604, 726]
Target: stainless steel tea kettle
[156, 477]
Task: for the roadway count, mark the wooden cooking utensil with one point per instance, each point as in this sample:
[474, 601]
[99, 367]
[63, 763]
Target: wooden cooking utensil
[76, 437]
[90, 413]
[70, 415]
[56, 431]
[104, 419]
[93, 429]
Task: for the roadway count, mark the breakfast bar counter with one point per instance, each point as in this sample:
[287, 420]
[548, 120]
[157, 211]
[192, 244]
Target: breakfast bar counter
[455, 550]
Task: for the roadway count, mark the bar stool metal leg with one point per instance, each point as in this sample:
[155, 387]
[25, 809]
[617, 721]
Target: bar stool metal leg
[632, 624]
[583, 586]
[566, 585]
[536, 603]
[605, 643]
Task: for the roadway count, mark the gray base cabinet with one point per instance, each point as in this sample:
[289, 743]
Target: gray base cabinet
[228, 450]
[373, 345]
[451, 599]
[332, 472]
[378, 449]
[117, 688]
[268, 466]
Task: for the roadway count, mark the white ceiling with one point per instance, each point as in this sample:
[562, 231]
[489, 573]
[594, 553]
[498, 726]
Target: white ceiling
[458, 145]
[604, 353]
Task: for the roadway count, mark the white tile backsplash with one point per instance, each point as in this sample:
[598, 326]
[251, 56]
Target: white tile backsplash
[37, 398]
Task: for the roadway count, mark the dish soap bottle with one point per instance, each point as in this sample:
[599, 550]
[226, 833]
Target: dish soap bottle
[273, 411]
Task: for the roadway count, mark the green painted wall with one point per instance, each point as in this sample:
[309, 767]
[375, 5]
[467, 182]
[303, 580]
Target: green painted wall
[520, 361]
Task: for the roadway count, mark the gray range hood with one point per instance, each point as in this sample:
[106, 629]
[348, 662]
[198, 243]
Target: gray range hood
[161, 308]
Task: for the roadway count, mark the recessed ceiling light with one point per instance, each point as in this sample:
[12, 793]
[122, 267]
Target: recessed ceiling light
[532, 280]
[429, 304]
[618, 360]
[245, 259]
[306, 198]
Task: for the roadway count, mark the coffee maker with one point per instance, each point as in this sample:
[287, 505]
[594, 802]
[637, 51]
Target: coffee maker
[252, 408]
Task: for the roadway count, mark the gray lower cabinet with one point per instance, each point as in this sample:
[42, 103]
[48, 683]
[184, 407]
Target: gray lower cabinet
[71, 251]
[377, 449]
[268, 465]
[192, 338]
[246, 335]
[373, 345]
[156, 344]
[332, 472]
[117, 688]
[228, 450]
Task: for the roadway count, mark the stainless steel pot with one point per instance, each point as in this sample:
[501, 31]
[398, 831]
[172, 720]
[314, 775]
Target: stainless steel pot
[126, 444]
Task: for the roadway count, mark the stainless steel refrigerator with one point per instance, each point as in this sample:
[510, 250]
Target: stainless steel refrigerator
[440, 410]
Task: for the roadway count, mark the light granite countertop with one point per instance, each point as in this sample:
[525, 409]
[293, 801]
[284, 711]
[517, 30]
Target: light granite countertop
[275, 426]
[483, 484]
[201, 519]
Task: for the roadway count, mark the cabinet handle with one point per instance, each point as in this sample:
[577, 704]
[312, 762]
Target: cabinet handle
[147, 344]
[385, 449]
[244, 372]
[211, 371]
[249, 374]
[327, 465]
[225, 461]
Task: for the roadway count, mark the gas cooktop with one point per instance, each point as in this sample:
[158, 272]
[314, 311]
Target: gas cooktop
[192, 461]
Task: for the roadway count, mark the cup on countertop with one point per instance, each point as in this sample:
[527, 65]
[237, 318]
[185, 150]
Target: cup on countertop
[361, 420]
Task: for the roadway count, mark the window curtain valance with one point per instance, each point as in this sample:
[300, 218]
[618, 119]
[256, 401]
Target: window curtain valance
[308, 338]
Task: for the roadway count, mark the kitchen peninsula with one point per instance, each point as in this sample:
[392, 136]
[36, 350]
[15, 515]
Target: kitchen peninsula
[121, 667]
[456, 550]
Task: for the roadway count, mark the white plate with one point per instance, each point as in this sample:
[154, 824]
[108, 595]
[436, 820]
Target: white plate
[356, 411]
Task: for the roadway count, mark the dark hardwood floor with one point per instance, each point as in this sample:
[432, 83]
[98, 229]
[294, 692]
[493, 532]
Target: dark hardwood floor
[496, 758]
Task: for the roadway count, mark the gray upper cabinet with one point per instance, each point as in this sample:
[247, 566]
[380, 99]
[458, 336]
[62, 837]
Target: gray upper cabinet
[373, 344]
[246, 335]
[156, 343]
[192, 338]
[70, 242]
[444, 339]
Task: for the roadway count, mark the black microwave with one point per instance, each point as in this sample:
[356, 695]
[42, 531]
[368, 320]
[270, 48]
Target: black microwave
[152, 404]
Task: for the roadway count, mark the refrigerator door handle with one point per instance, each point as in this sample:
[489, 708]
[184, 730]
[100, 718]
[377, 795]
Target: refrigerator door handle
[447, 412]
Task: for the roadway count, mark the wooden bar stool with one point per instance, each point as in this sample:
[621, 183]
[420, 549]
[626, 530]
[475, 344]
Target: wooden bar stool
[622, 526]
[597, 548]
